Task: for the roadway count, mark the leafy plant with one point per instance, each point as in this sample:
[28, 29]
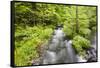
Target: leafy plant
[80, 44]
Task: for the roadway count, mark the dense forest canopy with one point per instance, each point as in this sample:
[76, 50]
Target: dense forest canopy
[35, 22]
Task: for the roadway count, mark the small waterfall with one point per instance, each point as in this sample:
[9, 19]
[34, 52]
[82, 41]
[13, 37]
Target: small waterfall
[60, 50]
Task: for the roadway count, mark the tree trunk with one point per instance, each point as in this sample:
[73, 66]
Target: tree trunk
[77, 24]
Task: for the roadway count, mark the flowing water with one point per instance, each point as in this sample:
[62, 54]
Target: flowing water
[60, 50]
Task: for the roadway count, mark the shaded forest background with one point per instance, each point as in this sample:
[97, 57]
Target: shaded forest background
[35, 22]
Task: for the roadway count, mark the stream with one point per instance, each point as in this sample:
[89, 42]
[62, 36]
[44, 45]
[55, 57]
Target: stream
[60, 50]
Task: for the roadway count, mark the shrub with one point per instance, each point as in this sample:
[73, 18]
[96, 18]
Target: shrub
[26, 43]
[80, 44]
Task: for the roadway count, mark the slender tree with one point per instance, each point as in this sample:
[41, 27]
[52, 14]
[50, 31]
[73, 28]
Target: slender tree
[77, 24]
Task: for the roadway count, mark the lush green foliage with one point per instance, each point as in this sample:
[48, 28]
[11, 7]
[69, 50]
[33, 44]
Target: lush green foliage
[27, 41]
[34, 24]
[80, 44]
